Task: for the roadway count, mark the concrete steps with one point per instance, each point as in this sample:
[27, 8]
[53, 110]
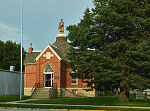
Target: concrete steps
[41, 93]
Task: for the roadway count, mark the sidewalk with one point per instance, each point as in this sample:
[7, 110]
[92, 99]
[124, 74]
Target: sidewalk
[19, 102]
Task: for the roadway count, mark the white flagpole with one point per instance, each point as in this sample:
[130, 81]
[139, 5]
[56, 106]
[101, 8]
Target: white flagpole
[21, 48]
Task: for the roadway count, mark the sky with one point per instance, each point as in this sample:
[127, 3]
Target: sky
[40, 20]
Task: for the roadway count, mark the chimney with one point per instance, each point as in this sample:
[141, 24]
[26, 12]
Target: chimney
[30, 49]
[61, 37]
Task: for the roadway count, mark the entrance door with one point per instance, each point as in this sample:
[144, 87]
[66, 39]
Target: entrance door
[48, 80]
[48, 76]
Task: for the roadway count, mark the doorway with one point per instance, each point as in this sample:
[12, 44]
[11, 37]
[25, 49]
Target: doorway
[48, 76]
[48, 80]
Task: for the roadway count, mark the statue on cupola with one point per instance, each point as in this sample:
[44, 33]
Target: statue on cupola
[61, 27]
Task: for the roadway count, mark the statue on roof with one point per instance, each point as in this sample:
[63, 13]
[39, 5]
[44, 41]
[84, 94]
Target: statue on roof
[61, 27]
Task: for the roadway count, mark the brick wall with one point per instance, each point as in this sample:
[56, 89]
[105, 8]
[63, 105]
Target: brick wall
[34, 73]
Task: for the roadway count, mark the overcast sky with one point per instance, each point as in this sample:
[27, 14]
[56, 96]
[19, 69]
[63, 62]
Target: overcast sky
[40, 19]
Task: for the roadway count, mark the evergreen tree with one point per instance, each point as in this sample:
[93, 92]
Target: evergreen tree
[111, 46]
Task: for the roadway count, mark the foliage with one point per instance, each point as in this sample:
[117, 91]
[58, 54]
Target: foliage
[112, 45]
[12, 98]
[10, 55]
[1, 53]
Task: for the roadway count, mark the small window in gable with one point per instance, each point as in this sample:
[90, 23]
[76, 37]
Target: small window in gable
[48, 68]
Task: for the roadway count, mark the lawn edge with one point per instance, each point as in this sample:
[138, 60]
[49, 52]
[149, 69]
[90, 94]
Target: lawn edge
[23, 106]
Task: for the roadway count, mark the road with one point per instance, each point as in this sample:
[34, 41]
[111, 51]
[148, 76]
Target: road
[2, 109]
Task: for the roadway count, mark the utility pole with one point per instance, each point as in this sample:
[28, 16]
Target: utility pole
[21, 48]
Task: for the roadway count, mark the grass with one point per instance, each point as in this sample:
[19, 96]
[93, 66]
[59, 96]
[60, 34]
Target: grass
[12, 98]
[106, 100]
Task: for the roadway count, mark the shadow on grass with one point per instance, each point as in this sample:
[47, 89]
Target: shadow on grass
[12, 98]
[105, 100]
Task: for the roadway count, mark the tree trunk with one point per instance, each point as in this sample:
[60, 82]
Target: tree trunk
[124, 92]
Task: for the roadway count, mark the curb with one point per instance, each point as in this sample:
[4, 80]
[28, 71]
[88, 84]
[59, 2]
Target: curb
[17, 108]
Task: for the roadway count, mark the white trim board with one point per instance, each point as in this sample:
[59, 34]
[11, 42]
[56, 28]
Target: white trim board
[48, 46]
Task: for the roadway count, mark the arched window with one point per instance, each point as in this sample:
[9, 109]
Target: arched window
[48, 76]
[48, 68]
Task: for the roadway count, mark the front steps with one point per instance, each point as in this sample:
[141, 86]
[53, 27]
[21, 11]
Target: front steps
[49, 93]
[43, 93]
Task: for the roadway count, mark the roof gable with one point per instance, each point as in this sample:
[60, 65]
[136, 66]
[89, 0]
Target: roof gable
[30, 58]
[48, 46]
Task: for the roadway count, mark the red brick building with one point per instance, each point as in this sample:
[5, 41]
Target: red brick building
[48, 69]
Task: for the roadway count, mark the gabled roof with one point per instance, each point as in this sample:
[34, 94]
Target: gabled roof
[52, 49]
[30, 58]
[63, 47]
[59, 48]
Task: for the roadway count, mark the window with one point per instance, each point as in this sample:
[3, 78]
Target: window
[48, 68]
[74, 91]
[74, 81]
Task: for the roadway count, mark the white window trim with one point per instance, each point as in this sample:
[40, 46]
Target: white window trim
[76, 92]
[74, 83]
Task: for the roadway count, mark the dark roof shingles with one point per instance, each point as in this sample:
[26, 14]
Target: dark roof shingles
[30, 58]
[63, 47]
[60, 47]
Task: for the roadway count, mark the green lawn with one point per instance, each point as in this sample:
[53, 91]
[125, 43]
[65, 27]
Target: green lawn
[107, 100]
[101, 100]
[12, 98]
[71, 107]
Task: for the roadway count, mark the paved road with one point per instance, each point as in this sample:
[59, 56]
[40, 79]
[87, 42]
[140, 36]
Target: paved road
[2, 109]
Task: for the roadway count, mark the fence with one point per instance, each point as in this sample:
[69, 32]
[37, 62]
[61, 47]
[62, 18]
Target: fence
[10, 83]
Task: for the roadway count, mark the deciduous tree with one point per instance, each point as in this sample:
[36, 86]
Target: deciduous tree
[1, 53]
[10, 55]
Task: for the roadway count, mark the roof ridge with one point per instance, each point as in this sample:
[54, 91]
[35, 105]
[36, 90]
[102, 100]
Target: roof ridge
[53, 46]
[48, 46]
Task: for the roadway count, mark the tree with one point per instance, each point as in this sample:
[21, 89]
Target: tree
[112, 45]
[1, 53]
[10, 55]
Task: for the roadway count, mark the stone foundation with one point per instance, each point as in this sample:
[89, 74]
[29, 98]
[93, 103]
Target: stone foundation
[85, 92]
[61, 92]
[27, 91]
